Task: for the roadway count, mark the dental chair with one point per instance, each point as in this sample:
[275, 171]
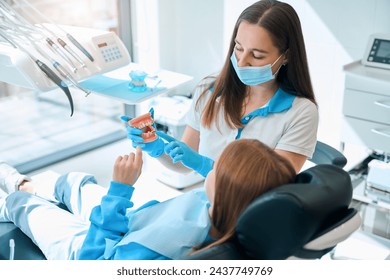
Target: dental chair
[302, 220]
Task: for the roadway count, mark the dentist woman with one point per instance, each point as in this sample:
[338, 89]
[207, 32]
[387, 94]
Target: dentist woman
[263, 92]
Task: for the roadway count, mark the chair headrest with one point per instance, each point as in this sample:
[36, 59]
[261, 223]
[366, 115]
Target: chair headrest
[284, 219]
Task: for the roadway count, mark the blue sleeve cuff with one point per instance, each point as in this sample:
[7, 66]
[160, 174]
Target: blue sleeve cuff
[120, 189]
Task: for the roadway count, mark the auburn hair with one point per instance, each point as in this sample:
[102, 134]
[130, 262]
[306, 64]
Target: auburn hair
[245, 170]
[284, 27]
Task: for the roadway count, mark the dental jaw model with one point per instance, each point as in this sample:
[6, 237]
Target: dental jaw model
[138, 83]
[145, 123]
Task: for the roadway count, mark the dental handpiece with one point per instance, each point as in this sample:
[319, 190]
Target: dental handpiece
[79, 46]
[62, 43]
[72, 53]
[61, 70]
[70, 37]
[65, 74]
[61, 53]
[44, 68]
[57, 80]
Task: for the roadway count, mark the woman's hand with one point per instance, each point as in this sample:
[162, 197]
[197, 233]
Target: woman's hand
[128, 168]
[180, 151]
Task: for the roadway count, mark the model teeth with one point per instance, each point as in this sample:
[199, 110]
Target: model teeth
[145, 124]
[147, 134]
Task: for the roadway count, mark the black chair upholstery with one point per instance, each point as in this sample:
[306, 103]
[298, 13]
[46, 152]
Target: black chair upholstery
[325, 154]
[281, 222]
[24, 249]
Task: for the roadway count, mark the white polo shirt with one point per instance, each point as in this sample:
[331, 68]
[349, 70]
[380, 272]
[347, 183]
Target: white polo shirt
[286, 123]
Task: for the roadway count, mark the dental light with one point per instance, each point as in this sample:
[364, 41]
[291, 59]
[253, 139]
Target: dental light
[44, 56]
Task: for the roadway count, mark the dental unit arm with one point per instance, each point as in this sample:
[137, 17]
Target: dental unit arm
[28, 60]
[16, 68]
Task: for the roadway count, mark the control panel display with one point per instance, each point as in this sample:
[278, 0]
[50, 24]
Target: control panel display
[378, 52]
[111, 50]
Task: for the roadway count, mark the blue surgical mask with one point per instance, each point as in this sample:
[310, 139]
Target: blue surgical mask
[254, 75]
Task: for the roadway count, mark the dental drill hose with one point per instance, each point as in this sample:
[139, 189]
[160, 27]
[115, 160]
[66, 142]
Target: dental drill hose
[57, 80]
[49, 73]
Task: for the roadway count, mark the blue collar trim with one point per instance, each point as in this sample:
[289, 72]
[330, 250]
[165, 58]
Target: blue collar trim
[281, 101]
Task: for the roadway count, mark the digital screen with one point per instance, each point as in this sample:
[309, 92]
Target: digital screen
[384, 49]
[101, 45]
[379, 54]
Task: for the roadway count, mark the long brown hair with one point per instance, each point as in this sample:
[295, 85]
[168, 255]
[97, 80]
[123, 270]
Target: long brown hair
[283, 24]
[246, 169]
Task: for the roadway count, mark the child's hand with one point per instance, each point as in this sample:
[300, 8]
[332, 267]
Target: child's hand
[128, 168]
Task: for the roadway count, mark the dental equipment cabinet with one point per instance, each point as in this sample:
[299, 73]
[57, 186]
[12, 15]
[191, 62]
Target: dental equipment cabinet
[366, 121]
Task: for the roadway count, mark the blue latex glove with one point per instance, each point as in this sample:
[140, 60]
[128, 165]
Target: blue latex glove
[154, 149]
[179, 151]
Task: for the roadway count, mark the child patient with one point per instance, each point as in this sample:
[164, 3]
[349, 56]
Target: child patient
[111, 229]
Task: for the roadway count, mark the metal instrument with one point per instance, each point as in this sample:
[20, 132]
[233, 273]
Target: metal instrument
[45, 69]
[23, 39]
[69, 36]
